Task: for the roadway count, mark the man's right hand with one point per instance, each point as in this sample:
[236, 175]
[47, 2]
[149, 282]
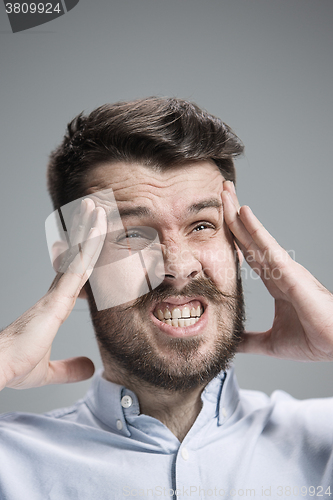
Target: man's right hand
[25, 345]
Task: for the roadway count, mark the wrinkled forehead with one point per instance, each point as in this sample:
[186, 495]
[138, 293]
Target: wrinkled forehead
[104, 198]
[125, 184]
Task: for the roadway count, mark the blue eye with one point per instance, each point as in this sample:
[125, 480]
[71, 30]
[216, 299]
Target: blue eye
[134, 235]
[136, 238]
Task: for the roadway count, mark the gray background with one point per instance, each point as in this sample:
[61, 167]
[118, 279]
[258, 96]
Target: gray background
[263, 66]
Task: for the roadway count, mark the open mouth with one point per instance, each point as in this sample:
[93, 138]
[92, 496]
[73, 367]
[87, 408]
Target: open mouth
[179, 315]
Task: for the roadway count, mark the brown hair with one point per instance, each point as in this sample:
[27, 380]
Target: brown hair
[157, 132]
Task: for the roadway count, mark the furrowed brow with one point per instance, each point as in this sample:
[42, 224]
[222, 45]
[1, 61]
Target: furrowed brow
[125, 213]
[210, 203]
[142, 211]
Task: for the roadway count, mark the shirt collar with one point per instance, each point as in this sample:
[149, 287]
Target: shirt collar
[113, 404]
[229, 396]
[104, 399]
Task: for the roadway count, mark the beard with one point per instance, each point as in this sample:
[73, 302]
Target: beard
[124, 341]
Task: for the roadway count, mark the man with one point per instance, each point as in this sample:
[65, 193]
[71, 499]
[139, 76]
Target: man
[165, 418]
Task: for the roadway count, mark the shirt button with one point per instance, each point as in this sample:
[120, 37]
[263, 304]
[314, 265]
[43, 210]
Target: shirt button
[119, 425]
[224, 412]
[126, 401]
[184, 453]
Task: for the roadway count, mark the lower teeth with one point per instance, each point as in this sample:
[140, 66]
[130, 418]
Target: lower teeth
[181, 322]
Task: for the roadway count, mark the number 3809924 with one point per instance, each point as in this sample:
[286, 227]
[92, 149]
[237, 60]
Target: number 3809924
[32, 8]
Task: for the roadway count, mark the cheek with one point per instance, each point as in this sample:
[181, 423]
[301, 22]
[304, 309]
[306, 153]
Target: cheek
[116, 283]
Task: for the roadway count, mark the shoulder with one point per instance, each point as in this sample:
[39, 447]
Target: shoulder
[281, 401]
[21, 422]
[282, 415]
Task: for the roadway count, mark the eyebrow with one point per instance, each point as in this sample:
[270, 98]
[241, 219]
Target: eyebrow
[210, 203]
[131, 212]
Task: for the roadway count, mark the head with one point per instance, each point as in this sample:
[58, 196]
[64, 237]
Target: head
[166, 160]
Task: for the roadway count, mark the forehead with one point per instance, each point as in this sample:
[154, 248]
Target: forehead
[173, 189]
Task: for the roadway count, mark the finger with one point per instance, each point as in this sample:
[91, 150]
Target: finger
[255, 257]
[70, 370]
[250, 257]
[272, 252]
[84, 262]
[255, 343]
[82, 222]
[236, 226]
[229, 186]
[66, 287]
[280, 268]
[259, 245]
[233, 219]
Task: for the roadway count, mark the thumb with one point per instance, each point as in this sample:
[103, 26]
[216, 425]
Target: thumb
[70, 370]
[254, 343]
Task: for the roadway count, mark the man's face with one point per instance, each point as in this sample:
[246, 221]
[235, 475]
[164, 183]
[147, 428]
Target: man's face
[181, 334]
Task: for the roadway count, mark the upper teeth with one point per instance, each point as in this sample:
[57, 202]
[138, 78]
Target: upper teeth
[177, 313]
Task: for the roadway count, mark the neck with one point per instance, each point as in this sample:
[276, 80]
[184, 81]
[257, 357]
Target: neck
[176, 410]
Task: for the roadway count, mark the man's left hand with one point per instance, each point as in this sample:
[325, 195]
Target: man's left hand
[303, 322]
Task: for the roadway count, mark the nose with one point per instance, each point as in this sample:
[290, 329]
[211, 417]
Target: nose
[181, 265]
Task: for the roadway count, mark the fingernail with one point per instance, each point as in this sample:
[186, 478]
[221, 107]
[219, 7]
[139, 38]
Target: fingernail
[233, 187]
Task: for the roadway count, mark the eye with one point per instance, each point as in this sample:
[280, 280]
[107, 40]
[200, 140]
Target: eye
[136, 238]
[130, 236]
[133, 234]
[202, 226]
[137, 232]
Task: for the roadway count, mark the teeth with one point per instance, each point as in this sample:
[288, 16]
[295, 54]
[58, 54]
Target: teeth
[181, 322]
[176, 313]
[186, 312]
[167, 314]
[160, 314]
[180, 317]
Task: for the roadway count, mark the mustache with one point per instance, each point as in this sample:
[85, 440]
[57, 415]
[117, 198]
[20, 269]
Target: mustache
[201, 286]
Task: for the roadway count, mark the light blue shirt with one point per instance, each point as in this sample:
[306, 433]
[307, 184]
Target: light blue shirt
[243, 444]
